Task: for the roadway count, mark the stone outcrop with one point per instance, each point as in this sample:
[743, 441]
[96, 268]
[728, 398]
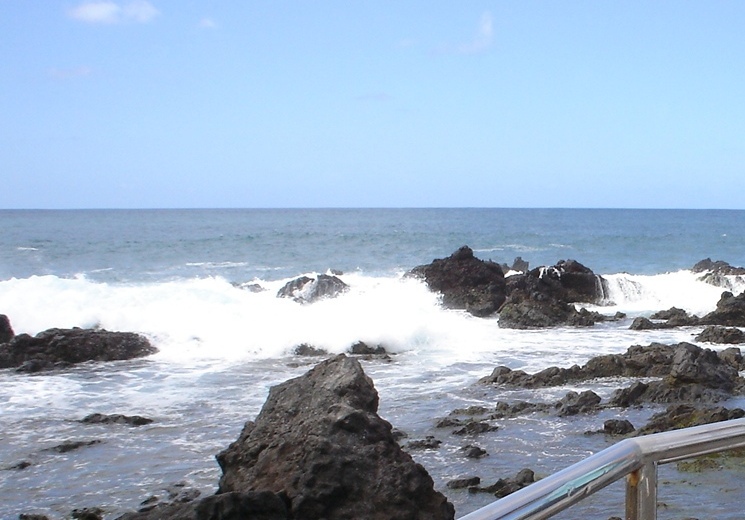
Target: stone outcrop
[506, 486]
[59, 348]
[654, 360]
[465, 282]
[310, 290]
[544, 297]
[6, 331]
[319, 441]
[730, 311]
[129, 420]
[719, 334]
[670, 318]
[718, 273]
[684, 416]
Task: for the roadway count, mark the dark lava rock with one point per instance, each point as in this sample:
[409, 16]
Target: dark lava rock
[654, 360]
[68, 446]
[618, 427]
[671, 318]
[685, 415]
[719, 266]
[319, 441]
[574, 403]
[475, 428]
[715, 273]
[719, 334]
[733, 356]
[88, 513]
[6, 331]
[130, 420]
[615, 427]
[227, 506]
[25, 516]
[309, 290]
[503, 487]
[462, 483]
[730, 311]
[507, 410]
[473, 452]
[692, 364]
[363, 349]
[309, 350]
[543, 297]
[465, 282]
[428, 443]
[55, 348]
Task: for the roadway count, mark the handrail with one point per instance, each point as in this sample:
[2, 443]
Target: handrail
[636, 458]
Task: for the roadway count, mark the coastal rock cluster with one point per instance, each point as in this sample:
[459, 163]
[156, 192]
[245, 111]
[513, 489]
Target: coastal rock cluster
[541, 297]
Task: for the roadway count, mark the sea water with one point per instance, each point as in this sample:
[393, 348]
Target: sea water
[181, 278]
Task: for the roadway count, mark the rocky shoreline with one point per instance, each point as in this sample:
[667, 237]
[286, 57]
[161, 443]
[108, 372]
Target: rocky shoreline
[318, 449]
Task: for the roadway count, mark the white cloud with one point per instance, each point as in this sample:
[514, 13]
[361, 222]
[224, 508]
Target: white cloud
[207, 23]
[483, 38]
[105, 12]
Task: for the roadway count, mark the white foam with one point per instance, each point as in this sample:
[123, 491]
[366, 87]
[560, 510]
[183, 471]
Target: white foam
[210, 319]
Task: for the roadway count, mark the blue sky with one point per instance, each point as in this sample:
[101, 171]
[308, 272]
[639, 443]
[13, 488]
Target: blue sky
[165, 103]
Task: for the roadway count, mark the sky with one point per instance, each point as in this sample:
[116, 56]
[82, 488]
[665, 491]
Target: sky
[255, 104]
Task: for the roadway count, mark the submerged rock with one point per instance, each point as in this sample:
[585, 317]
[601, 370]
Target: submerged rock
[465, 282]
[506, 486]
[310, 290]
[129, 420]
[719, 334]
[55, 348]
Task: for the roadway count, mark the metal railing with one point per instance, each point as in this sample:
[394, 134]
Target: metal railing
[635, 458]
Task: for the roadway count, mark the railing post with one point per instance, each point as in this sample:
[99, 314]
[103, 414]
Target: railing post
[641, 493]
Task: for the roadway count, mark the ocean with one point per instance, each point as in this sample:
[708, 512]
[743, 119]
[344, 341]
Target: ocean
[180, 278]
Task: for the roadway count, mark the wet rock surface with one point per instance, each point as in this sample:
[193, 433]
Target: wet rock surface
[465, 282]
[309, 290]
[60, 348]
[719, 334]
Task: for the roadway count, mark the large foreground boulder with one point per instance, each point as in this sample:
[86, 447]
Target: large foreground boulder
[319, 441]
[316, 451]
[57, 348]
[465, 282]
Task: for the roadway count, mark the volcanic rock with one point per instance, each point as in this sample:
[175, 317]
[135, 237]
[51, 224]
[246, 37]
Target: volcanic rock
[310, 290]
[6, 331]
[130, 420]
[730, 311]
[465, 282]
[56, 348]
[503, 487]
[319, 441]
[719, 334]
[543, 297]
[685, 416]
[574, 403]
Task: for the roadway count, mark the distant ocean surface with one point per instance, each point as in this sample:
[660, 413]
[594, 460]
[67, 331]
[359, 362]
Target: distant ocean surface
[176, 275]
